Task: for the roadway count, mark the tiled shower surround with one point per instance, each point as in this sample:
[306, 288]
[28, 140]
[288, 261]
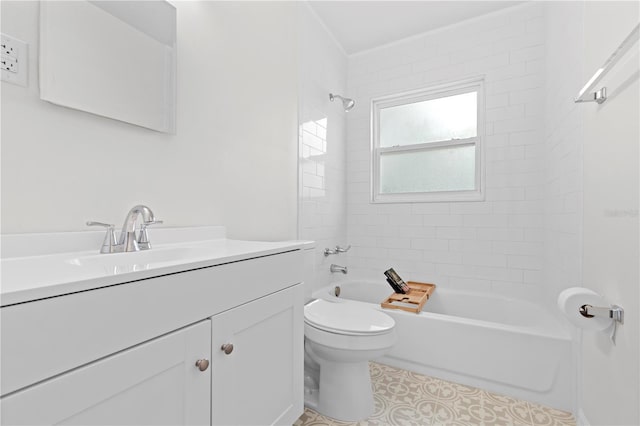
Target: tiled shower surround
[491, 245]
[322, 162]
[524, 238]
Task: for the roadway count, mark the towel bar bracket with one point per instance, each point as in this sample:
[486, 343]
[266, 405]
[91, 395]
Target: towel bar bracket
[600, 96]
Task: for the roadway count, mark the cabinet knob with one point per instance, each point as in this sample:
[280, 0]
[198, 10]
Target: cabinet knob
[202, 364]
[227, 348]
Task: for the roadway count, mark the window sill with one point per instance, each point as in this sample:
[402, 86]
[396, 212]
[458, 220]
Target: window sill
[431, 197]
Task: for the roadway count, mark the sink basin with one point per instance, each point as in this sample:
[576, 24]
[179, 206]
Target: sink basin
[137, 260]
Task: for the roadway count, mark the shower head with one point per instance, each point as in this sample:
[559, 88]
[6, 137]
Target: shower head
[347, 103]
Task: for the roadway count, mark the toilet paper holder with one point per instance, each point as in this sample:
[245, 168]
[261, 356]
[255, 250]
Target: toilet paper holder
[614, 312]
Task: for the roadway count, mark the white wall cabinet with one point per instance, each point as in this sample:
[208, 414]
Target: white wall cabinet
[255, 382]
[126, 354]
[155, 383]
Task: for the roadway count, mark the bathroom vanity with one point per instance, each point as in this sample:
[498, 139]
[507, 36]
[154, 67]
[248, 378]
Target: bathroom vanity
[197, 332]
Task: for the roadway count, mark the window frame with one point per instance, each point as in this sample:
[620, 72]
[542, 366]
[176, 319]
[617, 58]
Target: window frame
[429, 93]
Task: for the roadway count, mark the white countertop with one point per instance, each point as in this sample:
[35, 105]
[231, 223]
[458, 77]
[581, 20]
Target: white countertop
[28, 278]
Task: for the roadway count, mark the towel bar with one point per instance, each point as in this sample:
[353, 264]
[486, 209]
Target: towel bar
[587, 94]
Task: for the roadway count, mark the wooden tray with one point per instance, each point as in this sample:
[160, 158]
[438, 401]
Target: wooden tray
[412, 301]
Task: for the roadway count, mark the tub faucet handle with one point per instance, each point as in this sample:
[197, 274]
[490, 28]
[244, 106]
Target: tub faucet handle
[336, 250]
[329, 251]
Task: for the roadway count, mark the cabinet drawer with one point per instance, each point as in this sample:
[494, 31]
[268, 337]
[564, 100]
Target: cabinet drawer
[48, 337]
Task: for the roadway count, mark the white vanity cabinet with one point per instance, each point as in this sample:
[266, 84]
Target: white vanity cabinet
[127, 353]
[154, 383]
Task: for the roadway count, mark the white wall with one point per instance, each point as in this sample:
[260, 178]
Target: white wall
[232, 162]
[494, 245]
[323, 70]
[591, 216]
[563, 147]
[610, 378]
[563, 154]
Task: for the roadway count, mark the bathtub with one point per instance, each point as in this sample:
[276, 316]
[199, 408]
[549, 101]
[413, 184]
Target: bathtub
[504, 345]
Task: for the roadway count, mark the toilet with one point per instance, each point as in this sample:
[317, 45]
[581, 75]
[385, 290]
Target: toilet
[341, 338]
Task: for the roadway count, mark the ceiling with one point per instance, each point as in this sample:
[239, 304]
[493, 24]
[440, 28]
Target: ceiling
[362, 25]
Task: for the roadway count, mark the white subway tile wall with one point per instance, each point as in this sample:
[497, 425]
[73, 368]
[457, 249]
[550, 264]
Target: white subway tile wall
[322, 128]
[493, 245]
[563, 148]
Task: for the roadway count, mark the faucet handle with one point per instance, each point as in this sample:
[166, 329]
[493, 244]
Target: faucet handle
[143, 237]
[328, 252]
[109, 243]
[104, 225]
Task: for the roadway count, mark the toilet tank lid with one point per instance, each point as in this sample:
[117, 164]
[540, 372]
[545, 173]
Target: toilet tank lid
[347, 318]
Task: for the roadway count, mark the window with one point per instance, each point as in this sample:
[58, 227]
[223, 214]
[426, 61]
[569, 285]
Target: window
[426, 145]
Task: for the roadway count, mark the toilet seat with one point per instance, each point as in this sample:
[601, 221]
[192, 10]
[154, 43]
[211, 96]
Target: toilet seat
[347, 318]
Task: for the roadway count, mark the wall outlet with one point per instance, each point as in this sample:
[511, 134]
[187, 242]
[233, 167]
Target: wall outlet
[14, 60]
[8, 47]
[9, 64]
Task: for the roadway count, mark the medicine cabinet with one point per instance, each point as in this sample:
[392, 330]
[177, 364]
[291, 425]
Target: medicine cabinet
[115, 59]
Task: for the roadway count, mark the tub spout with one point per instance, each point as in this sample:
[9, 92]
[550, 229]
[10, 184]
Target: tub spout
[338, 268]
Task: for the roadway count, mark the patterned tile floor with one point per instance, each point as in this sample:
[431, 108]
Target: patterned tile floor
[404, 398]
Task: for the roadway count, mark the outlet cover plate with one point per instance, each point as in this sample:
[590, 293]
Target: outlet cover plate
[15, 51]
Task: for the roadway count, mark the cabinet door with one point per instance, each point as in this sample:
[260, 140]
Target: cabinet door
[154, 383]
[260, 381]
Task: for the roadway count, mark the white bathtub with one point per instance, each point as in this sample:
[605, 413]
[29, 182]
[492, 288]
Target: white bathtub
[501, 344]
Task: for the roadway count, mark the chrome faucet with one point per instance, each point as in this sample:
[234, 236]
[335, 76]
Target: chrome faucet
[128, 240]
[338, 268]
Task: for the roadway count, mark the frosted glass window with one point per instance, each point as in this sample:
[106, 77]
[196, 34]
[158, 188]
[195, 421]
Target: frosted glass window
[441, 119]
[426, 144]
[443, 169]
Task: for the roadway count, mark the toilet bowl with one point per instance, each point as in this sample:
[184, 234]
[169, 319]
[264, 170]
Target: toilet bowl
[341, 338]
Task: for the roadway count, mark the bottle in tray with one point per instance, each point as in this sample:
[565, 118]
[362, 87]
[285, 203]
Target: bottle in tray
[395, 286]
[397, 283]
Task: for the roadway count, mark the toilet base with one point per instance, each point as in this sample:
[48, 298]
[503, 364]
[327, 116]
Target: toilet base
[311, 398]
[345, 391]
